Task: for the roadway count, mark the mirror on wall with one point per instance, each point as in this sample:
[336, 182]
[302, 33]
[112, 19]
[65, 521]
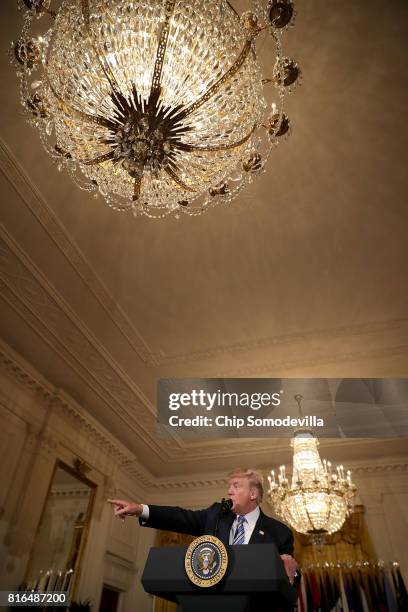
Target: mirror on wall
[55, 559]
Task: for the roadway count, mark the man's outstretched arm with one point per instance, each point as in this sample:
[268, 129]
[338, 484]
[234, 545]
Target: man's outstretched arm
[168, 518]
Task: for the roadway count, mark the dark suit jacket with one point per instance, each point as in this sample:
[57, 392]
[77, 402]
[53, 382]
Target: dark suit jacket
[202, 522]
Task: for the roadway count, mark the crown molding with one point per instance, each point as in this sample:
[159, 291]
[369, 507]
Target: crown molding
[268, 368]
[34, 299]
[217, 481]
[36, 203]
[378, 468]
[346, 332]
[30, 295]
[25, 376]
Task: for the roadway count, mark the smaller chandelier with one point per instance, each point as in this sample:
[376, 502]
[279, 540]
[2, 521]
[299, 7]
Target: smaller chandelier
[160, 107]
[318, 499]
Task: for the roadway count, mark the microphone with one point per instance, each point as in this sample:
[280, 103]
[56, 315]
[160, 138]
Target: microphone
[225, 508]
[226, 505]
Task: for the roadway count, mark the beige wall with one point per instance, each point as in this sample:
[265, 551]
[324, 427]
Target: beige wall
[36, 429]
[39, 425]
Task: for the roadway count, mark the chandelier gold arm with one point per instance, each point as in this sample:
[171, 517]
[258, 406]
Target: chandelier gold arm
[178, 180]
[98, 160]
[222, 147]
[161, 50]
[309, 518]
[137, 187]
[138, 182]
[233, 9]
[218, 84]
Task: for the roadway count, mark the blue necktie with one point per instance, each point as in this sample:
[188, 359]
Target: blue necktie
[239, 537]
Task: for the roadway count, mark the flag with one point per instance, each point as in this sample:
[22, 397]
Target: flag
[352, 594]
[315, 590]
[324, 601]
[300, 601]
[389, 593]
[364, 600]
[343, 594]
[365, 583]
[337, 605]
[402, 595]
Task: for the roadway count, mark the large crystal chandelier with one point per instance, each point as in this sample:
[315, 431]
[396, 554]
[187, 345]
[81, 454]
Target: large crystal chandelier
[318, 499]
[160, 105]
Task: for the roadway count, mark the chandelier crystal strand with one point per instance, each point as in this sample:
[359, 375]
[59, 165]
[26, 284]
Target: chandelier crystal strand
[317, 499]
[158, 106]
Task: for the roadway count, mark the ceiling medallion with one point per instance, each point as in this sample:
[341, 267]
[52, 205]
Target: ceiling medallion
[158, 106]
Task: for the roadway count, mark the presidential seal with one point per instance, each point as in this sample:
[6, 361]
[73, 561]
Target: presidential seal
[206, 561]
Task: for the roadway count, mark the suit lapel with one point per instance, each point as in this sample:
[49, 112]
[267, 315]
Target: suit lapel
[259, 532]
[224, 527]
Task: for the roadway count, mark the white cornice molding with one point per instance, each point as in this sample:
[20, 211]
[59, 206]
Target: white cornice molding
[43, 309]
[346, 332]
[30, 295]
[25, 376]
[217, 481]
[35, 202]
[376, 467]
[267, 368]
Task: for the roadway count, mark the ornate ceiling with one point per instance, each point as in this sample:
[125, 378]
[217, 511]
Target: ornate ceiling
[305, 275]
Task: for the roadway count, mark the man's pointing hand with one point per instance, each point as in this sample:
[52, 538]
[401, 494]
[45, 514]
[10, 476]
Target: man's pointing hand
[125, 508]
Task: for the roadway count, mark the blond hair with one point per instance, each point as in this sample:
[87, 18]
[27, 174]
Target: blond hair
[255, 480]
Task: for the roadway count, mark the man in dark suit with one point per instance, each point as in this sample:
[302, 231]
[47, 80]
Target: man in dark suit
[244, 524]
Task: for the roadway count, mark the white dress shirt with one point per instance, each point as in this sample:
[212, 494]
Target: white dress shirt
[249, 525]
[145, 513]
